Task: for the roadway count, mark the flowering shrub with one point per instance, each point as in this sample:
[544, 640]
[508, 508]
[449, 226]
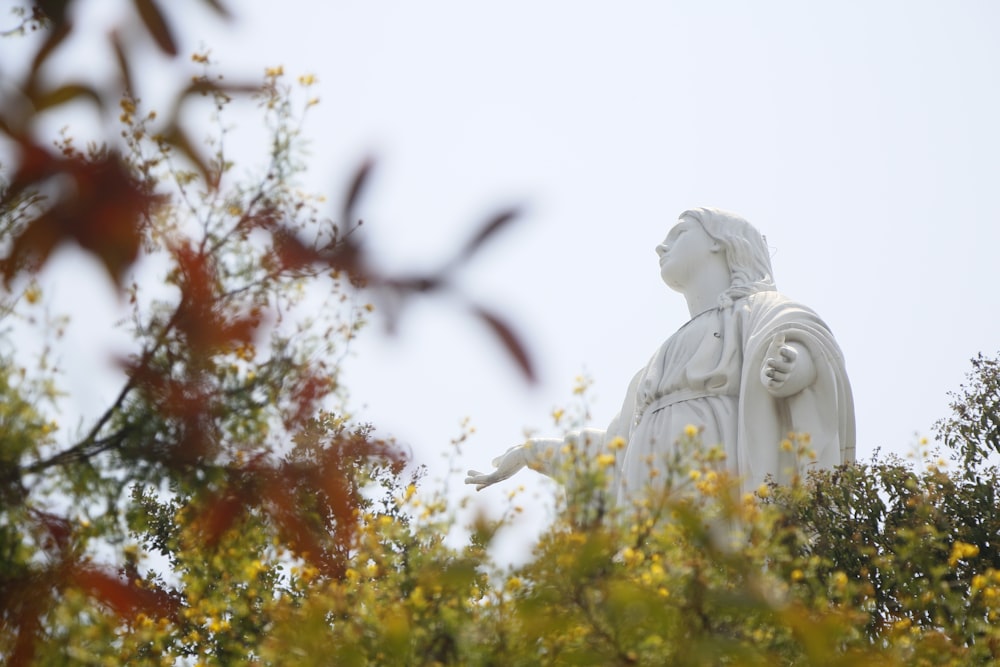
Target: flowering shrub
[875, 563]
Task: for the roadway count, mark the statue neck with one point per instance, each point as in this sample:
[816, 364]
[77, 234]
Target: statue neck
[703, 293]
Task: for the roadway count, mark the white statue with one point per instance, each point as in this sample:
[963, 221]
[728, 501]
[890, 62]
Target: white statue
[749, 368]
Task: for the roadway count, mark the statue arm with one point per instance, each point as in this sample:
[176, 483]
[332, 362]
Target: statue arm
[548, 456]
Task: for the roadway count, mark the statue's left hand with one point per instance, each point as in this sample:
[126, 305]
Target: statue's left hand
[787, 369]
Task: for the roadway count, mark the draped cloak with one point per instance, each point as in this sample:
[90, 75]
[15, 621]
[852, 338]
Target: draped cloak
[707, 375]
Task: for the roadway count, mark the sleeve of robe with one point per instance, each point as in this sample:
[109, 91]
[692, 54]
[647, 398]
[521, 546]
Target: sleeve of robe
[550, 456]
[824, 410]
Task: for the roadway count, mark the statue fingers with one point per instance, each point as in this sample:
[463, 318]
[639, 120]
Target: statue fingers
[777, 376]
[476, 477]
[780, 365]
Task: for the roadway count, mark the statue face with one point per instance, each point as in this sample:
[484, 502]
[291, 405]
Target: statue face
[686, 250]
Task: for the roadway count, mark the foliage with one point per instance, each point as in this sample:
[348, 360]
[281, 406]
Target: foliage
[230, 429]
[225, 508]
[973, 431]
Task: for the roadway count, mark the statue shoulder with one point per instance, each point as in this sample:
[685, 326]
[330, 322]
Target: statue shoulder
[773, 302]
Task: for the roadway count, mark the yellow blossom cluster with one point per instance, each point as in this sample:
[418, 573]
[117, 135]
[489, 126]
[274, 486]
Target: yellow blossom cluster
[962, 551]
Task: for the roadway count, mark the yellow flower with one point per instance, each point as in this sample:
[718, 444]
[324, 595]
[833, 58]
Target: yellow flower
[617, 443]
[764, 491]
[690, 430]
[32, 294]
[274, 71]
[252, 569]
[606, 459]
[417, 598]
[962, 551]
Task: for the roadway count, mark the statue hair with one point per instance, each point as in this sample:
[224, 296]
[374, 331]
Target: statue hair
[746, 252]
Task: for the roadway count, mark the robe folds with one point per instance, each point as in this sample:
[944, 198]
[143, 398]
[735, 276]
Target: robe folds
[707, 375]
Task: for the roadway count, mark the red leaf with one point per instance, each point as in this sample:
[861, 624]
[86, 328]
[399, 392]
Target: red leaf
[28, 622]
[156, 23]
[220, 516]
[493, 225]
[32, 247]
[358, 183]
[123, 66]
[54, 39]
[125, 598]
[300, 534]
[101, 210]
[510, 341]
[108, 214]
[292, 253]
[219, 8]
[177, 138]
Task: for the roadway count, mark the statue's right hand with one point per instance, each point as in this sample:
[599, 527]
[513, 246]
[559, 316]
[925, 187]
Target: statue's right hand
[506, 465]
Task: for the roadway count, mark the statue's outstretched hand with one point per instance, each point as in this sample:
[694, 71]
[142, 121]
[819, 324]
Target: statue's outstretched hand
[506, 465]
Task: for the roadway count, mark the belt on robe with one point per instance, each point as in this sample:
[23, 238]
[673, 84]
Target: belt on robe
[674, 398]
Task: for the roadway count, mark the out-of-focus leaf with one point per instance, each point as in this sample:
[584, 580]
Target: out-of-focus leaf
[56, 36]
[221, 514]
[358, 183]
[124, 597]
[123, 66]
[492, 226]
[32, 247]
[219, 8]
[28, 626]
[346, 256]
[300, 534]
[54, 10]
[177, 138]
[202, 86]
[107, 216]
[291, 252]
[57, 532]
[510, 341]
[65, 94]
[157, 26]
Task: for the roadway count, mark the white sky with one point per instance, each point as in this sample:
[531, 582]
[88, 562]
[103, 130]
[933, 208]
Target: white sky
[860, 137]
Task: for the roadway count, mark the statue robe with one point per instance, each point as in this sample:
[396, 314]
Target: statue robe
[707, 375]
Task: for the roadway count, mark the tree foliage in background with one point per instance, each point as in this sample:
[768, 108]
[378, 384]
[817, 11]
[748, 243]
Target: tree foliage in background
[225, 509]
[243, 298]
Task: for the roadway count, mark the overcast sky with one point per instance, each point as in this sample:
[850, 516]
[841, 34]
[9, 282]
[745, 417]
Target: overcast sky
[860, 137]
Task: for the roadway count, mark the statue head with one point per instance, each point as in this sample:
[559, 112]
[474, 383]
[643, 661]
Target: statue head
[745, 250]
